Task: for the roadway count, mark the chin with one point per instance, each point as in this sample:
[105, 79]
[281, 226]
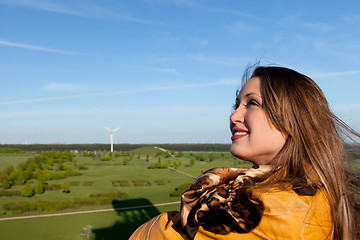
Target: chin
[237, 153]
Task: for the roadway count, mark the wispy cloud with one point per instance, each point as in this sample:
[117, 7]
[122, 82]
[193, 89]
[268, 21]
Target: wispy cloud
[297, 20]
[44, 5]
[223, 60]
[200, 41]
[130, 91]
[351, 18]
[33, 47]
[242, 27]
[322, 27]
[69, 87]
[81, 9]
[230, 82]
[152, 68]
[217, 9]
[163, 70]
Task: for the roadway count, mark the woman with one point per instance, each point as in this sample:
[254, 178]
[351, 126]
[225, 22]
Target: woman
[301, 186]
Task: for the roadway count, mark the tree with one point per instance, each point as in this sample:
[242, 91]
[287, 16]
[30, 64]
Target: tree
[125, 161]
[27, 190]
[6, 184]
[87, 233]
[65, 187]
[21, 178]
[40, 187]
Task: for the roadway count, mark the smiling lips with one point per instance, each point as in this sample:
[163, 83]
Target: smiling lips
[238, 133]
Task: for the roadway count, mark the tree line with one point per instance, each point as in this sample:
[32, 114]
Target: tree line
[117, 147]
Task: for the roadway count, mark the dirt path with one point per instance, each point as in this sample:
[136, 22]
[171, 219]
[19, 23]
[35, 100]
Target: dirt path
[173, 169]
[90, 211]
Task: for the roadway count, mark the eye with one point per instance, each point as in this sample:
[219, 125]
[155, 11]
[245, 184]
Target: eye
[236, 104]
[253, 102]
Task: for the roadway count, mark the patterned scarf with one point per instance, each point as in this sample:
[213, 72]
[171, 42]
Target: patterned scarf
[215, 201]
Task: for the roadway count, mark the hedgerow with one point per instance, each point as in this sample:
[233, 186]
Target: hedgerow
[10, 193]
[45, 206]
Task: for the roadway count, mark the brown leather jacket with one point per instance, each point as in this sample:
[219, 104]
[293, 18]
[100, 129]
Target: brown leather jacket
[287, 215]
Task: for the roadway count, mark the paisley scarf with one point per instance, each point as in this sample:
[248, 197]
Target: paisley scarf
[215, 201]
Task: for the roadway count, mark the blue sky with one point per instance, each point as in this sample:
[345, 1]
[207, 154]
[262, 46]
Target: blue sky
[163, 71]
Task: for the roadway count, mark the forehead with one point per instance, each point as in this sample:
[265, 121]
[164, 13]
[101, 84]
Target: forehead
[252, 86]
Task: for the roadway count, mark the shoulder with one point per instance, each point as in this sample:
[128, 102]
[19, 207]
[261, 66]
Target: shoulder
[288, 215]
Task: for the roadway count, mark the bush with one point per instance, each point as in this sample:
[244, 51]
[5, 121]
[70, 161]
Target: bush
[124, 183]
[88, 183]
[160, 182]
[106, 158]
[101, 199]
[65, 187]
[10, 193]
[157, 165]
[87, 233]
[82, 167]
[21, 207]
[27, 190]
[71, 172]
[111, 195]
[39, 188]
[6, 184]
[94, 199]
[139, 182]
[167, 155]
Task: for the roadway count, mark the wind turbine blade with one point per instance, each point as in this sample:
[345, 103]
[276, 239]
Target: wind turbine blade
[107, 129]
[116, 129]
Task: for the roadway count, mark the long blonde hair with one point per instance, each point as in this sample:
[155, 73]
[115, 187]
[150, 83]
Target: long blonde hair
[298, 108]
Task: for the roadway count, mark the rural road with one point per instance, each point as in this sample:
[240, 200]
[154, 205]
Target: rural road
[90, 211]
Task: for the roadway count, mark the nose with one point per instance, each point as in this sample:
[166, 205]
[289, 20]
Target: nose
[238, 116]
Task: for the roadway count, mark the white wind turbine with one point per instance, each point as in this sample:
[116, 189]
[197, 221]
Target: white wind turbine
[111, 137]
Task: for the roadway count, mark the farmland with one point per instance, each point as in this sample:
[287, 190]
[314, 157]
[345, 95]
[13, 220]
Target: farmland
[80, 181]
[140, 176]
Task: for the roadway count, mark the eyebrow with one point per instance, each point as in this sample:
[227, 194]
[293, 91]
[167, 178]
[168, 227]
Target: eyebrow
[249, 94]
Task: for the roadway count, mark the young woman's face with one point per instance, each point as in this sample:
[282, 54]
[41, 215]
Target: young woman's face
[254, 138]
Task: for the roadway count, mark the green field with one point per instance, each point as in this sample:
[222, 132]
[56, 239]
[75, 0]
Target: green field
[127, 170]
[115, 224]
[107, 225]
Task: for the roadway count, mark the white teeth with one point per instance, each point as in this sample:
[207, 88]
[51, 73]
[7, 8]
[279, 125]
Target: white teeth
[240, 133]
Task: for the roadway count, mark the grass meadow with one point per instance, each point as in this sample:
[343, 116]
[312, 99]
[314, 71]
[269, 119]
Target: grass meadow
[129, 171]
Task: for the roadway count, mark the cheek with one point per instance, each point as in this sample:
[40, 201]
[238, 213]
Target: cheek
[264, 133]
[274, 139]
